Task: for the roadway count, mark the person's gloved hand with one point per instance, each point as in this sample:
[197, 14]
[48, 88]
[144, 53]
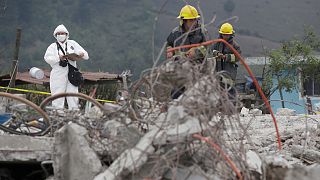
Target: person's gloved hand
[63, 63]
[191, 53]
[81, 54]
[169, 54]
[221, 56]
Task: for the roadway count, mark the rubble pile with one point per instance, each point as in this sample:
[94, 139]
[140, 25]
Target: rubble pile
[165, 147]
[200, 135]
[162, 145]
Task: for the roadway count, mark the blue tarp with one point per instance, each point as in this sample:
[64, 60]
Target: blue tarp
[5, 117]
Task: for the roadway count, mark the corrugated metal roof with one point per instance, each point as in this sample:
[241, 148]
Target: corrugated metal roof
[25, 77]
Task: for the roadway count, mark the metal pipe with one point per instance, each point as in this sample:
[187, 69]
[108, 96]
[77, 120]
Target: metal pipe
[80, 95]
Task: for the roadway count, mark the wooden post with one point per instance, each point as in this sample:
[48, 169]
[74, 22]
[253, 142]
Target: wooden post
[15, 59]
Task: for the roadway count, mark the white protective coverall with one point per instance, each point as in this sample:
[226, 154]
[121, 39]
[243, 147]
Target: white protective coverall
[59, 82]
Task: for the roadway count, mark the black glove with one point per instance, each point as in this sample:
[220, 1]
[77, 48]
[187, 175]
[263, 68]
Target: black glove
[63, 63]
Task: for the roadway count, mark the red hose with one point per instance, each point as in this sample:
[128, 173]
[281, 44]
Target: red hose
[216, 147]
[236, 53]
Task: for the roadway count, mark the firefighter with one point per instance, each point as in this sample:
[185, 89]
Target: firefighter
[226, 60]
[188, 32]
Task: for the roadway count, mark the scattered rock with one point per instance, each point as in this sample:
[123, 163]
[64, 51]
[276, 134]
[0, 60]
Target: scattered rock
[254, 162]
[244, 111]
[286, 112]
[256, 112]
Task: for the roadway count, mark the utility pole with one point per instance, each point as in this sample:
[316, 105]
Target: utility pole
[15, 61]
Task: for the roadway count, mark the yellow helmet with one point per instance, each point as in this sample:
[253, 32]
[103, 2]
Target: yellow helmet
[188, 12]
[226, 28]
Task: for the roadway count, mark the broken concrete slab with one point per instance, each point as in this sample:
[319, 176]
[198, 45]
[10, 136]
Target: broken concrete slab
[73, 158]
[25, 148]
[111, 144]
[254, 161]
[179, 132]
[308, 154]
[130, 160]
[303, 173]
[176, 114]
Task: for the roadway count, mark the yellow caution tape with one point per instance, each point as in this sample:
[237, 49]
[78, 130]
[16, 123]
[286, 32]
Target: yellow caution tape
[44, 93]
[25, 90]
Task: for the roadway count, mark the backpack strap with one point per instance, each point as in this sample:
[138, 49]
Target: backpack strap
[64, 52]
[60, 48]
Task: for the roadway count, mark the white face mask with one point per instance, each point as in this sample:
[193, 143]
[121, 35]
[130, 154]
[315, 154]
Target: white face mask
[61, 37]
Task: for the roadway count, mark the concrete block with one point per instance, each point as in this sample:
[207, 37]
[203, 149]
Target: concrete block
[73, 157]
[25, 148]
[254, 162]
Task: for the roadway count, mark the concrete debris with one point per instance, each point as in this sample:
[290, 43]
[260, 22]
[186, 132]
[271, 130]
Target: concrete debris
[110, 107]
[179, 132]
[12, 104]
[286, 112]
[190, 173]
[73, 157]
[295, 173]
[160, 144]
[254, 161]
[244, 111]
[111, 145]
[255, 112]
[25, 148]
[305, 154]
[79, 154]
[94, 112]
[176, 114]
[200, 94]
[130, 160]
[303, 173]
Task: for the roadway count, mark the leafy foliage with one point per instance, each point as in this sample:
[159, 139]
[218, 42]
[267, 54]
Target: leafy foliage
[294, 56]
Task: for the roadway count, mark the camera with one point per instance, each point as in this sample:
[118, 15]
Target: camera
[63, 63]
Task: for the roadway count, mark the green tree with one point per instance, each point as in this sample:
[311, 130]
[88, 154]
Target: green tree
[293, 57]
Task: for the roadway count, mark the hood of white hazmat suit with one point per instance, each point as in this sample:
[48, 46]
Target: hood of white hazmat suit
[60, 28]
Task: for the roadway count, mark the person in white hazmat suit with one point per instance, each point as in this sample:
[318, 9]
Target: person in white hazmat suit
[54, 56]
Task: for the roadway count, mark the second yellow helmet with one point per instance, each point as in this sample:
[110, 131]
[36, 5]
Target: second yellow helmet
[226, 28]
[188, 12]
